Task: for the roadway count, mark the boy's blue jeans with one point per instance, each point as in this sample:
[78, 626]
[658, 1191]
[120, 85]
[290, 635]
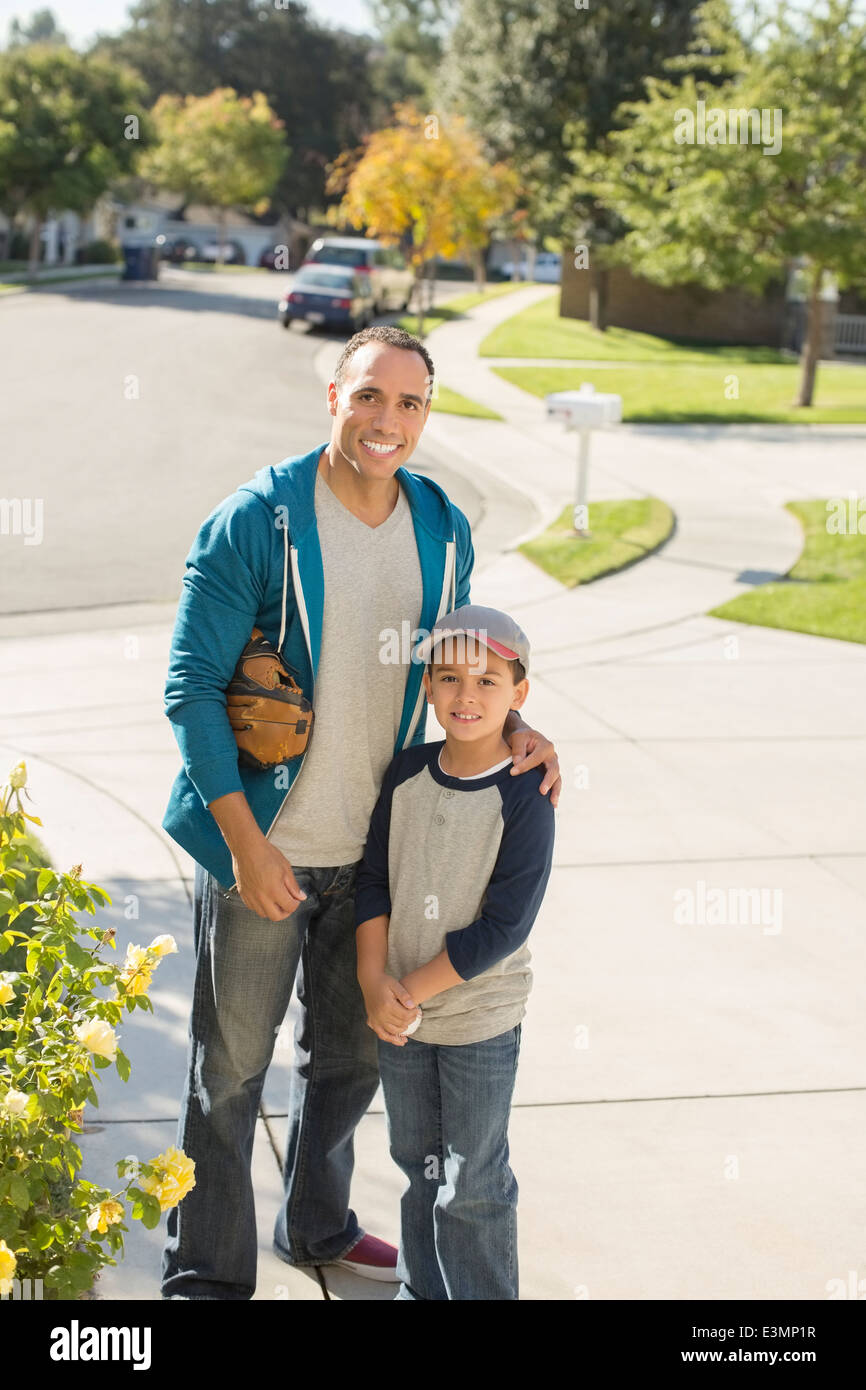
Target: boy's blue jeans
[448, 1109]
[245, 971]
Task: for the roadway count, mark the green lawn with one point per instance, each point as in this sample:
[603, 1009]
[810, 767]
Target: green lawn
[696, 394]
[621, 534]
[212, 266]
[824, 593]
[452, 403]
[44, 279]
[540, 332]
[452, 308]
[447, 401]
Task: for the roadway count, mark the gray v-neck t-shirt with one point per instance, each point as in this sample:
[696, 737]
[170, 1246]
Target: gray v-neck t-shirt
[372, 585]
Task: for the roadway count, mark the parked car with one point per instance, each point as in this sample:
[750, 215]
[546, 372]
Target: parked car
[548, 268]
[331, 295]
[178, 249]
[384, 266]
[233, 252]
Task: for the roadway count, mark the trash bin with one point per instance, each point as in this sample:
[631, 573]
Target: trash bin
[141, 261]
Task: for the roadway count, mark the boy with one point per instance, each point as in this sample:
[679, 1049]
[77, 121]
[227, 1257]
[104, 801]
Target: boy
[456, 862]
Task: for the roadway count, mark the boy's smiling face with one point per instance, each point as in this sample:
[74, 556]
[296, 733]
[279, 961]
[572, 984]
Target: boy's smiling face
[472, 689]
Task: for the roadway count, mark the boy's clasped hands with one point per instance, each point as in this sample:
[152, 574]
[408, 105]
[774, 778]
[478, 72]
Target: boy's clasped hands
[390, 1008]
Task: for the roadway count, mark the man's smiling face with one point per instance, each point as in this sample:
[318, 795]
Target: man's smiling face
[382, 402]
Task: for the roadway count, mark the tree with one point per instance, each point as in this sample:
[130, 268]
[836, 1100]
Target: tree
[737, 210]
[426, 179]
[412, 39]
[521, 71]
[42, 28]
[69, 127]
[221, 150]
[316, 80]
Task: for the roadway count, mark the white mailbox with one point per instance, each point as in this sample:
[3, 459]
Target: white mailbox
[583, 411]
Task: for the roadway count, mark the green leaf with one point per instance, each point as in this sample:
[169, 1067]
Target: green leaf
[41, 1235]
[38, 1189]
[43, 878]
[77, 956]
[19, 1192]
[151, 1211]
[124, 1067]
[32, 963]
[55, 989]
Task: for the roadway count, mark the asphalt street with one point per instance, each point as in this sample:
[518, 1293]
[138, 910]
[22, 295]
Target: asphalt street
[130, 410]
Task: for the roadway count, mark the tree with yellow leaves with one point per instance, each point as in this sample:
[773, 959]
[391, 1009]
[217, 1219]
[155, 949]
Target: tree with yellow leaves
[427, 176]
[221, 150]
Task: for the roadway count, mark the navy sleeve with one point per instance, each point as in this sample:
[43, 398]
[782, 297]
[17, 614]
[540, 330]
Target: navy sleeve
[372, 888]
[517, 884]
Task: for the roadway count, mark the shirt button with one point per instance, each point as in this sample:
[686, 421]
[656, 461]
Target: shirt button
[440, 820]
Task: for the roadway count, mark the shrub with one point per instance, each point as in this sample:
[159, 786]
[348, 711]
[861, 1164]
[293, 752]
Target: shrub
[56, 1034]
[98, 253]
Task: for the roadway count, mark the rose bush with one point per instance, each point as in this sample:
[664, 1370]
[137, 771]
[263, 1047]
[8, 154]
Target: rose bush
[57, 1031]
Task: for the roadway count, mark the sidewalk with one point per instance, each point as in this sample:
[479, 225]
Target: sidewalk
[684, 1090]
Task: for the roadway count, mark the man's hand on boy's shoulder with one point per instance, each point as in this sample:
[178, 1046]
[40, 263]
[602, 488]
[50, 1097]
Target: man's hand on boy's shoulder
[390, 1008]
[529, 748]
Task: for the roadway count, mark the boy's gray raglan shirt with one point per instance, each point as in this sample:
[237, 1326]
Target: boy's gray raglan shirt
[459, 864]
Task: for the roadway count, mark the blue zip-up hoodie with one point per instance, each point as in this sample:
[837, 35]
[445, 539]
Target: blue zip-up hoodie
[256, 562]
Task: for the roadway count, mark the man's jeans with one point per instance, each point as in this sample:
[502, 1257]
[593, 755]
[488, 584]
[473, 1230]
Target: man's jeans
[245, 969]
[448, 1109]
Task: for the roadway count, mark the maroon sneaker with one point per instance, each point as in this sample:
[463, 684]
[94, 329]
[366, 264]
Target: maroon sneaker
[373, 1258]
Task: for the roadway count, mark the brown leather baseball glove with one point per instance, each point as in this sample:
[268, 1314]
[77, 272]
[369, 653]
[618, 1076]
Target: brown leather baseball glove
[266, 707]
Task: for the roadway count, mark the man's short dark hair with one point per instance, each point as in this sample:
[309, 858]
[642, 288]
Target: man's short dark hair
[383, 333]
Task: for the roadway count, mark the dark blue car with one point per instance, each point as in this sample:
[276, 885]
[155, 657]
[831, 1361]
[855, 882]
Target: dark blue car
[328, 296]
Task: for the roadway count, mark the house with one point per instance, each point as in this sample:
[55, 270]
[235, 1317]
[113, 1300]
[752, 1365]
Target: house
[112, 219]
[775, 318]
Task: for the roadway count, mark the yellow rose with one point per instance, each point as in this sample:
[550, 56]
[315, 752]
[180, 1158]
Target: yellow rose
[8, 1265]
[163, 946]
[105, 1215]
[14, 1102]
[97, 1036]
[137, 971]
[18, 776]
[176, 1180]
[6, 992]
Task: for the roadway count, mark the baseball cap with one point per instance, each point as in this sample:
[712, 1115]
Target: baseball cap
[494, 629]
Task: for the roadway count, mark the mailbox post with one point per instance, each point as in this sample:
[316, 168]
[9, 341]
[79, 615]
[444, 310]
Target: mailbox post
[584, 411]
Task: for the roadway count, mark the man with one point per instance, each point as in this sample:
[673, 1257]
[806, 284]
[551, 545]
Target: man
[335, 555]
